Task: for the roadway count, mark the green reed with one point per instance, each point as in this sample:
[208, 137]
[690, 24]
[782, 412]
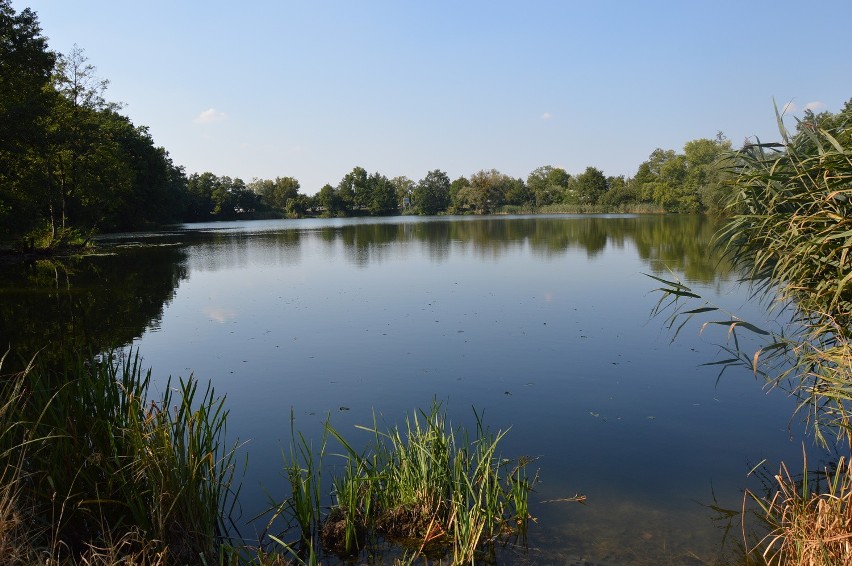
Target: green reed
[302, 509]
[790, 233]
[435, 484]
[344, 530]
[104, 464]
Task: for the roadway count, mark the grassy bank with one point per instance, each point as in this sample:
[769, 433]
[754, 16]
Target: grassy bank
[91, 466]
[632, 208]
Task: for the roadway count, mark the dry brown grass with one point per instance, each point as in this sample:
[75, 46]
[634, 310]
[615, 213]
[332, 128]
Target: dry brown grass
[810, 528]
[14, 548]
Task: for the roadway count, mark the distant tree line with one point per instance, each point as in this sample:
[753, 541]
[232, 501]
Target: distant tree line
[72, 165]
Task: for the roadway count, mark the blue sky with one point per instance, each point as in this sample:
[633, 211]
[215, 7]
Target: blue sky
[312, 89]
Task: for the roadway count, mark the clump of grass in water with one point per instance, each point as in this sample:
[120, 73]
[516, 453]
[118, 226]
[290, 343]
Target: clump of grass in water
[428, 487]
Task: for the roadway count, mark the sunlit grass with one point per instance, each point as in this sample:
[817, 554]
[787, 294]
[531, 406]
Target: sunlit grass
[435, 484]
[95, 473]
[811, 525]
[426, 488]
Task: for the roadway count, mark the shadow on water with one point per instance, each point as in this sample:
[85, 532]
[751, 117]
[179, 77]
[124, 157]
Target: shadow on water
[86, 303]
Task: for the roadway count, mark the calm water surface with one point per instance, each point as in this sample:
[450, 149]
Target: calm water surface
[542, 323]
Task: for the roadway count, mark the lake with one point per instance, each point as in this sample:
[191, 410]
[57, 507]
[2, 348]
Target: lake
[541, 323]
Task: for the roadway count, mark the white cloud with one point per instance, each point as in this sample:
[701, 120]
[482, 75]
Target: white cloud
[791, 107]
[546, 116]
[210, 115]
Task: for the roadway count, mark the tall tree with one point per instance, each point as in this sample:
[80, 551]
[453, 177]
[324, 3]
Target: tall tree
[277, 193]
[86, 172]
[381, 195]
[589, 186]
[621, 192]
[329, 199]
[656, 175]
[200, 187]
[456, 204]
[691, 181]
[69, 161]
[548, 185]
[353, 190]
[404, 190]
[486, 192]
[25, 100]
[518, 193]
[232, 197]
[706, 175]
[432, 194]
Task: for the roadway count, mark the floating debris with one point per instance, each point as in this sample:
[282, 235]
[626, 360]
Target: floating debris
[578, 498]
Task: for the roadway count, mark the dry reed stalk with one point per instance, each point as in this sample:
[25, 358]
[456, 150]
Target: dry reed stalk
[810, 528]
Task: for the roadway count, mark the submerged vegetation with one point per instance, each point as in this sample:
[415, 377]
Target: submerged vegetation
[791, 234]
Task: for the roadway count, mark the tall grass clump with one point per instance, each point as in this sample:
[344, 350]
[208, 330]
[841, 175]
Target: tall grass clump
[790, 234]
[429, 487]
[105, 468]
[15, 527]
[811, 520]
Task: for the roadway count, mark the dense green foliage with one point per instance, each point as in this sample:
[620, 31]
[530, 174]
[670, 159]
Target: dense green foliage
[432, 193]
[25, 71]
[687, 182]
[72, 165]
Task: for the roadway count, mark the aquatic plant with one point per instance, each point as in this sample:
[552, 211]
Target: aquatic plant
[790, 233]
[432, 486]
[302, 509]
